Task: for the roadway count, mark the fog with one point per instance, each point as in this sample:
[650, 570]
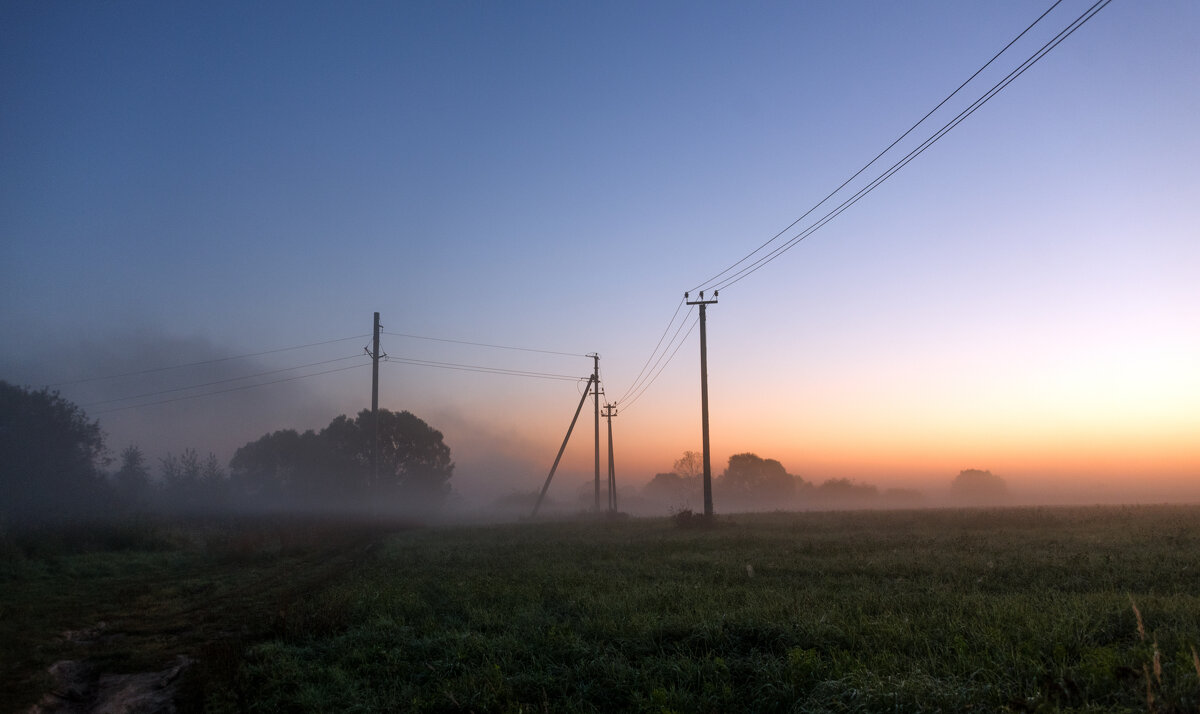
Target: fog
[499, 469]
[216, 424]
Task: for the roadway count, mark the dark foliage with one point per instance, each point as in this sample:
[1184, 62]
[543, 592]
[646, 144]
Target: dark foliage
[751, 479]
[50, 458]
[976, 487]
[132, 479]
[843, 491]
[337, 467]
[674, 489]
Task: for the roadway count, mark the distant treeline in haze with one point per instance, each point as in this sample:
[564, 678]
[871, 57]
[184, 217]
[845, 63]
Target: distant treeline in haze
[55, 466]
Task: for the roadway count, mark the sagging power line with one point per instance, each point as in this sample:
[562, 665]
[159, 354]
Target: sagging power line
[484, 344]
[678, 342]
[717, 283]
[481, 369]
[638, 378]
[152, 370]
[233, 389]
[146, 395]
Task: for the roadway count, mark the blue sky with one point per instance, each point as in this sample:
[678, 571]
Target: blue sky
[180, 182]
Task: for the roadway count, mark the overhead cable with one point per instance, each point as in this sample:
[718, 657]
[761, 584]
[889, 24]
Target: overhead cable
[480, 368]
[219, 381]
[483, 344]
[946, 128]
[661, 356]
[719, 284]
[231, 389]
[653, 352]
[646, 386]
[204, 362]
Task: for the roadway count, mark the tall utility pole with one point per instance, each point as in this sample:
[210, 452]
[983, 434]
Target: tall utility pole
[708, 506]
[610, 411]
[375, 368]
[374, 353]
[596, 386]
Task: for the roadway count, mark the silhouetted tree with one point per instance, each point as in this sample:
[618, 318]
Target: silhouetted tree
[338, 464]
[414, 462]
[132, 480]
[50, 457]
[751, 479]
[214, 483]
[288, 468]
[978, 487]
[843, 491]
[674, 489]
[179, 479]
[690, 464]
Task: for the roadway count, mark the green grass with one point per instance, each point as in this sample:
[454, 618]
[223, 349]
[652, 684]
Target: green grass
[1018, 609]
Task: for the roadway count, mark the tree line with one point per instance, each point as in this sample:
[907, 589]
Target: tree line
[55, 466]
[750, 482]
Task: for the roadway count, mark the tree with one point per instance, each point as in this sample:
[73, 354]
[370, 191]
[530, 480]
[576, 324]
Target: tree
[180, 479]
[690, 465]
[50, 457]
[414, 462]
[978, 487]
[751, 478]
[289, 468]
[338, 464]
[132, 480]
[843, 491]
[673, 489]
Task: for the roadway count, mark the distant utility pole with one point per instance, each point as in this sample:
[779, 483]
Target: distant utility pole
[708, 505]
[374, 354]
[610, 411]
[596, 382]
[375, 368]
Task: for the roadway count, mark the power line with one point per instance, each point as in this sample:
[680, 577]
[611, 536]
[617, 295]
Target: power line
[204, 362]
[720, 285]
[484, 344]
[946, 128]
[652, 375]
[626, 405]
[231, 389]
[654, 351]
[704, 285]
[481, 368]
[219, 381]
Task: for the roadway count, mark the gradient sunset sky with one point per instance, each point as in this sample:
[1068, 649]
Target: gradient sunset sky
[187, 182]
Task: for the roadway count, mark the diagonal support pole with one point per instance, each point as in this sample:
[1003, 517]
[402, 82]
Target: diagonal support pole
[561, 449]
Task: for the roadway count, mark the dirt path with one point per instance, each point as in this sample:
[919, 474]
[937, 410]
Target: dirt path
[166, 642]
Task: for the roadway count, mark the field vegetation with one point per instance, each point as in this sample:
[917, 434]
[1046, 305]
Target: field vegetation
[1031, 609]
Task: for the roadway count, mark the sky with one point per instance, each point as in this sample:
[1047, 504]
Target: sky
[184, 183]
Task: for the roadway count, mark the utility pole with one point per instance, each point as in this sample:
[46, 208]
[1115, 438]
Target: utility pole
[374, 354]
[375, 368]
[596, 385]
[610, 411]
[708, 505]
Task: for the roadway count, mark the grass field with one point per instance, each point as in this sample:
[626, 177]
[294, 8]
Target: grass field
[1081, 609]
